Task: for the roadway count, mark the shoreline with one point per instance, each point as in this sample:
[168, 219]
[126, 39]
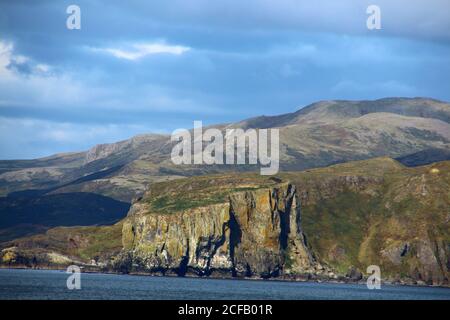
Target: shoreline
[278, 279]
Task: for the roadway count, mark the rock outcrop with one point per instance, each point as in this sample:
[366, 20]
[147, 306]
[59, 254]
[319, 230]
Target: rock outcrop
[253, 234]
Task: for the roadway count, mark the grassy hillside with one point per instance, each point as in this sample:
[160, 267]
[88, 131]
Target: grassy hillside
[63, 246]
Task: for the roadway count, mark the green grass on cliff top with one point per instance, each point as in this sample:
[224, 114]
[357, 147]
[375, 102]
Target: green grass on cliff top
[182, 194]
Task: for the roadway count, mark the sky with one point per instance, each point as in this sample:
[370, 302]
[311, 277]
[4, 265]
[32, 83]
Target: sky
[154, 66]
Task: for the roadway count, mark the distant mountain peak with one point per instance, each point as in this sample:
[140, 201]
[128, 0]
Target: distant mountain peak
[326, 111]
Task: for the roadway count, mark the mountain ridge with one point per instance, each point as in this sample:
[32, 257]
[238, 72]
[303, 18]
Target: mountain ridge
[301, 111]
[319, 134]
[379, 105]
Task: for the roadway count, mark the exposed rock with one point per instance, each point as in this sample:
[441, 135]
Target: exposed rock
[253, 234]
[395, 253]
[431, 268]
[354, 274]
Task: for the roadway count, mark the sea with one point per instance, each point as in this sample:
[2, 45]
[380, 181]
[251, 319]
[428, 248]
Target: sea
[52, 285]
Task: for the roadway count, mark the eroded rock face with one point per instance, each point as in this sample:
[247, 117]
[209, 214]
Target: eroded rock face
[254, 234]
[431, 266]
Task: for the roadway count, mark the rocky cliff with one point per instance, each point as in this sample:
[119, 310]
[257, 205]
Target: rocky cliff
[325, 223]
[253, 233]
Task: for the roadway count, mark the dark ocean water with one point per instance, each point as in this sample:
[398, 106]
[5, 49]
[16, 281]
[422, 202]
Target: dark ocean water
[44, 284]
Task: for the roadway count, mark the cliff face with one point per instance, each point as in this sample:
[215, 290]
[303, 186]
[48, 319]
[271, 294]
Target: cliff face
[253, 233]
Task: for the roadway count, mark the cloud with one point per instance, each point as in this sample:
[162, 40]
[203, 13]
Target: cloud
[11, 62]
[26, 85]
[38, 138]
[138, 51]
[405, 18]
[216, 61]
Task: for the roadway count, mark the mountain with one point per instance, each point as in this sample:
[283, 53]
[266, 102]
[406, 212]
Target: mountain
[325, 223]
[318, 135]
[336, 110]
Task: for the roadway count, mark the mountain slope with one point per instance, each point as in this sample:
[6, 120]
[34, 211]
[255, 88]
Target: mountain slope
[335, 110]
[320, 134]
